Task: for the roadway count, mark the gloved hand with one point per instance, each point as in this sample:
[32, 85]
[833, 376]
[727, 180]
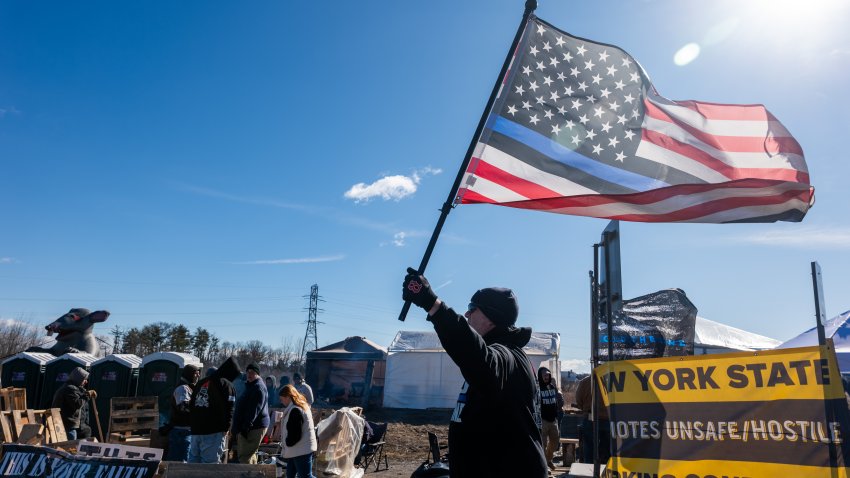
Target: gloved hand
[416, 289]
[92, 394]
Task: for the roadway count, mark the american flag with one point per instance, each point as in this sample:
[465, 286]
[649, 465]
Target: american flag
[578, 128]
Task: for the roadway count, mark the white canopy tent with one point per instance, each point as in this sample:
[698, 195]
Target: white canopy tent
[712, 337]
[421, 375]
[836, 328]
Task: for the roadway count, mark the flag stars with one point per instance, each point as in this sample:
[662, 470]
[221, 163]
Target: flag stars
[576, 105]
[581, 50]
[590, 134]
[540, 30]
[604, 56]
[569, 124]
[606, 126]
[611, 70]
[520, 90]
[576, 140]
[533, 86]
[588, 65]
[619, 85]
[629, 134]
[562, 76]
[583, 119]
[512, 110]
[597, 149]
[620, 157]
[614, 106]
[546, 46]
[556, 129]
[534, 51]
[604, 93]
[559, 41]
[554, 96]
[574, 72]
[635, 77]
[553, 61]
[547, 80]
[596, 79]
[582, 86]
[541, 66]
[526, 70]
[598, 111]
[628, 98]
[526, 105]
[568, 56]
[568, 91]
[635, 114]
[562, 110]
[534, 119]
[548, 114]
[613, 142]
[626, 62]
[591, 99]
[621, 119]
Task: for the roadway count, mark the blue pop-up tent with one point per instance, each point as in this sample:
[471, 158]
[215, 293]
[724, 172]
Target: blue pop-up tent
[837, 328]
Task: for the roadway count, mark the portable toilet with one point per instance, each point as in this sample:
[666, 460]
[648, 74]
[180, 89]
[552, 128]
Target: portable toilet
[115, 375]
[26, 370]
[160, 375]
[57, 370]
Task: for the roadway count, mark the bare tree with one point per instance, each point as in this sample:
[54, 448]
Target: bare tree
[18, 335]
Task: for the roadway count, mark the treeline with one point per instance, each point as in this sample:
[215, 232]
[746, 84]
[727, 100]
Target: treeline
[167, 337]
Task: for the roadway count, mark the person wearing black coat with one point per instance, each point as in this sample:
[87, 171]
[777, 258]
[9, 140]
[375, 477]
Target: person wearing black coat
[495, 427]
[251, 419]
[211, 413]
[70, 399]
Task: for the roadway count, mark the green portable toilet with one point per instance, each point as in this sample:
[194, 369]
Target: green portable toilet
[115, 375]
[56, 374]
[26, 370]
[160, 374]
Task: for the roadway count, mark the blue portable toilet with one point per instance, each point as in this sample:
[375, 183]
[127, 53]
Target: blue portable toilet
[57, 370]
[115, 375]
[160, 375]
[26, 370]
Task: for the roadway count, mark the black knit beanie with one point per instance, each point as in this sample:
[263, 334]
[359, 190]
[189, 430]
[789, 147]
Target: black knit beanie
[498, 304]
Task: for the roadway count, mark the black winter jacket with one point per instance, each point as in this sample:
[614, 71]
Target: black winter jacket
[213, 400]
[69, 399]
[494, 430]
[252, 408]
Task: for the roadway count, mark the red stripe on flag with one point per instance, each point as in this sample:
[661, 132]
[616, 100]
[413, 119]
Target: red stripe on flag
[469, 196]
[679, 215]
[740, 144]
[718, 111]
[521, 186]
[731, 172]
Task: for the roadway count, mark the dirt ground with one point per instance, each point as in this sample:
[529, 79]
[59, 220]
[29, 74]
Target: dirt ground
[407, 438]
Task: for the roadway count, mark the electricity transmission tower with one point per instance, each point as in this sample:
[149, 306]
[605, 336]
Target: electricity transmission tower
[310, 340]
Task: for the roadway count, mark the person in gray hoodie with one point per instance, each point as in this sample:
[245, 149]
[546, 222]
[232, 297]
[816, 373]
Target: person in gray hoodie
[70, 399]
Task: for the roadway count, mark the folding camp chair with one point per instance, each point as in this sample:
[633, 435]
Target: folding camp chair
[373, 449]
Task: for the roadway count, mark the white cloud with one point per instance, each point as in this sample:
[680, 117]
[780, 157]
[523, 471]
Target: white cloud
[803, 237]
[300, 260]
[576, 365]
[8, 260]
[395, 187]
[9, 110]
[398, 239]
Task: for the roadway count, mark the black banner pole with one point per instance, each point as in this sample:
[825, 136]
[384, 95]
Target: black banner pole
[530, 6]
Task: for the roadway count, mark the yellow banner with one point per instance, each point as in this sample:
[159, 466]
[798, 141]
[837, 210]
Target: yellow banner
[756, 415]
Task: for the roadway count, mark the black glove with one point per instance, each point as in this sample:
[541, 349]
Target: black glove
[416, 289]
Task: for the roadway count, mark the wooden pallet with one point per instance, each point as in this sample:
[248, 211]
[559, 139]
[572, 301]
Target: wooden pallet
[14, 423]
[13, 399]
[132, 416]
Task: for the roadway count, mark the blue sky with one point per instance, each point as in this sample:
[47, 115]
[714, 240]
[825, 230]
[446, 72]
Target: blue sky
[206, 162]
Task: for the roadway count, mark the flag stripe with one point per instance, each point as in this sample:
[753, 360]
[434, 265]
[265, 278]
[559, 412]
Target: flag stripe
[735, 159]
[539, 161]
[752, 144]
[516, 184]
[728, 172]
[717, 111]
[553, 181]
[571, 158]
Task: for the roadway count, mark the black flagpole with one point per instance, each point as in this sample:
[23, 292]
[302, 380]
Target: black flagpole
[530, 6]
